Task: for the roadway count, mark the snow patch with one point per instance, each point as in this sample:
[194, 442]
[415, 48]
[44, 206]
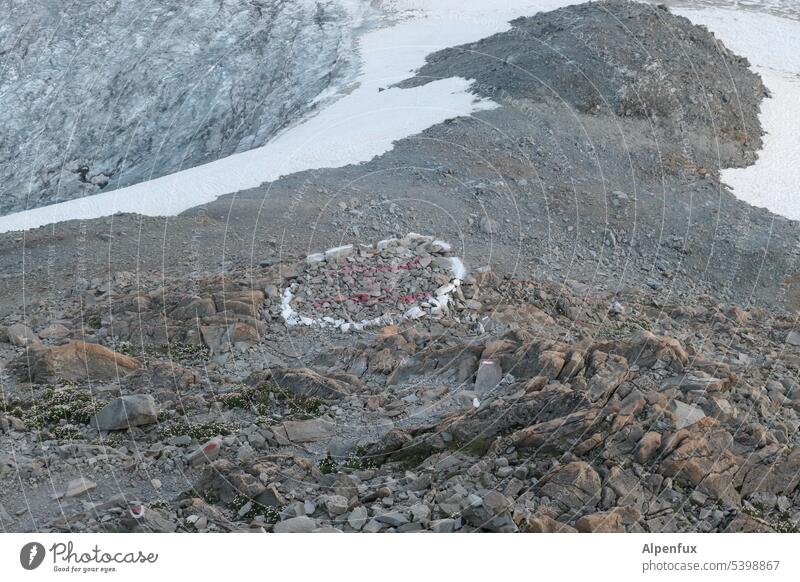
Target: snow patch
[772, 45]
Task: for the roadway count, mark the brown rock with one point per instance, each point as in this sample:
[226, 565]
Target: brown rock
[541, 523]
[574, 485]
[194, 307]
[603, 522]
[301, 381]
[75, 361]
[613, 521]
[704, 460]
[607, 373]
[644, 348]
[772, 470]
[648, 447]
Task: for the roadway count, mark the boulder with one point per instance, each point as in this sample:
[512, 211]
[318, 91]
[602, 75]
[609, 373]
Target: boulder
[606, 373]
[309, 431]
[21, 335]
[75, 361]
[701, 456]
[543, 523]
[126, 412]
[685, 414]
[299, 524]
[488, 377]
[194, 307]
[574, 485]
[301, 381]
[644, 348]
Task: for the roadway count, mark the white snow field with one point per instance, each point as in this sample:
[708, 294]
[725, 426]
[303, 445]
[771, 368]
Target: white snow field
[772, 44]
[360, 125]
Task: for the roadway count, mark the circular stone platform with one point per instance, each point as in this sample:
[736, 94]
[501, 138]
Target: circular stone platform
[358, 286]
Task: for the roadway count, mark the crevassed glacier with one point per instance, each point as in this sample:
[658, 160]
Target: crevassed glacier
[100, 94]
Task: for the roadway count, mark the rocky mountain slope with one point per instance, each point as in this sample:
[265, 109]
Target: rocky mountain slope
[621, 355]
[523, 407]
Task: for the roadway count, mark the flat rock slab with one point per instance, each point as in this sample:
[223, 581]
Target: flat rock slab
[78, 487]
[488, 377]
[300, 524]
[685, 414]
[308, 431]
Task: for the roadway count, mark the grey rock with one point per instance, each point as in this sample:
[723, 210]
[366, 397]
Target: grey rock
[307, 431]
[488, 377]
[488, 225]
[336, 505]
[373, 526]
[299, 524]
[393, 518]
[358, 518]
[127, 411]
[420, 512]
[21, 335]
[446, 525]
[685, 414]
[78, 487]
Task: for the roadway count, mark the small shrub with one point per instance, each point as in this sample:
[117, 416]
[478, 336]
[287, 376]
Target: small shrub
[271, 514]
[359, 461]
[67, 432]
[201, 432]
[265, 398]
[73, 405]
[327, 465]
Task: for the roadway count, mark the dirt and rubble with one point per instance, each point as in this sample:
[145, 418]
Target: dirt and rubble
[600, 414]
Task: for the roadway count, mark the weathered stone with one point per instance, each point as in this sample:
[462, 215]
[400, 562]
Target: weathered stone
[542, 523]
[648, 447]
[303, 382]
[54, 331]
[336, 505]
[75, 361]
[194, 308]
[21, 335]
[488, 377]
[299, 524]
[685, 414]
[446, 525]
[205, 453]
[78, 487]
[606, 373]
[127, 411]
[603, 522]
[793, 338]
[703, 459]
[574, 485]
[392, 518]
[358, 518]
[309, 431]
